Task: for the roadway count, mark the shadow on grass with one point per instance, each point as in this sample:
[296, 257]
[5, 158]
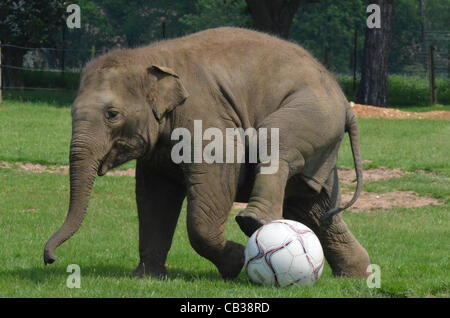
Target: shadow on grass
[41, 274]
[189, 275]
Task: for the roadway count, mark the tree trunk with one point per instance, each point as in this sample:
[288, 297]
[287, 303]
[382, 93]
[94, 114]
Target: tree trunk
[375, 67]
[274, 16]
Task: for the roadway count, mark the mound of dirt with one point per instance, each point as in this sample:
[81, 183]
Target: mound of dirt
[367, 111]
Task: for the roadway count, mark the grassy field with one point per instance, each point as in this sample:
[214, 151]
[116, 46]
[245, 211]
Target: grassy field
[410, 245]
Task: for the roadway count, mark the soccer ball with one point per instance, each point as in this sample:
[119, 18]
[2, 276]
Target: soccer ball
[283, 253]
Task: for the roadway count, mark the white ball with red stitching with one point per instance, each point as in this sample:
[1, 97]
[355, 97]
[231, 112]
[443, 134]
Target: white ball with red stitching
[283, 253]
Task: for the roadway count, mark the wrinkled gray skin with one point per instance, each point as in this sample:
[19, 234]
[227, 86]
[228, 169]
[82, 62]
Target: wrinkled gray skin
[130, 101]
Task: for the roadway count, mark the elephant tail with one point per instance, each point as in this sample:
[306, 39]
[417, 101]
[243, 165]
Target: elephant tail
[351, 126]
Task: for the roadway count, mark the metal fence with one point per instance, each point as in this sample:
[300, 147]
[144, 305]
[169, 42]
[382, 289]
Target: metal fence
[46, 68]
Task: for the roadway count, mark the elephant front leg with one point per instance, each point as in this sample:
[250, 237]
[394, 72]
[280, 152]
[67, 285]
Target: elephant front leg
[210, 198]
[159, 202]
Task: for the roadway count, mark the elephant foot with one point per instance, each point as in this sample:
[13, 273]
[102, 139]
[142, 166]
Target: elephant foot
[249, 222]
[343, 252]
[143, 272]
[233, 261]
[348, 261]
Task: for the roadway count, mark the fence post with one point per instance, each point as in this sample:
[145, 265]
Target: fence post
[355, 57]
[163, 28]
[93, 52]
[325, 56]
[63, 49]
[0, 72]
[433, 99]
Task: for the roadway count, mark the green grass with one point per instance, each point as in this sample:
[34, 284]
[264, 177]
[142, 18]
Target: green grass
[36, 132]
[409, 245]
[405, 144]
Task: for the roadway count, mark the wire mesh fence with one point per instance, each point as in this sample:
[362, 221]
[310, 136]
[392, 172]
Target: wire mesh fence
[42, 68]
[52, 69]
[414, 59]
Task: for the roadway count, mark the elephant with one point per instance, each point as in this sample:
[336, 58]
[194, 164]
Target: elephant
[130, 101]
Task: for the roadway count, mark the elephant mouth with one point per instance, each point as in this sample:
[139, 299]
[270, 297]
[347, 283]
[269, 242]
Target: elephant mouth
[102, 169]
[121, 152]
[107, 162]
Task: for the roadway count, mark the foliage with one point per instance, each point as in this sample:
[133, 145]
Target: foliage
[330, 26]
[30, 23]
[215, 13]
[66, 80]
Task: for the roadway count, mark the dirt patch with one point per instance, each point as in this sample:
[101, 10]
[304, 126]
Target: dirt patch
[5, 165]
[367, 111]
[38, 168]
[31, 210]
[348, 176]
[239, 205]
[60, 170]
[122, 173]
[369, 201]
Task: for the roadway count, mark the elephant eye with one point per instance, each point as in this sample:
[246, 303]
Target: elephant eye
[111, 114]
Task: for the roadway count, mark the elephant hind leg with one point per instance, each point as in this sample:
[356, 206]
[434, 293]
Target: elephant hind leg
[281, 134]
[342, 250]
[266, 201]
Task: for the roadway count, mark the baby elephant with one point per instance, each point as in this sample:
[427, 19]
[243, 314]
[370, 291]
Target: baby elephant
[138, 103]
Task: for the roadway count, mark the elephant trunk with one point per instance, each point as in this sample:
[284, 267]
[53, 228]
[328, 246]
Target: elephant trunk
[83, 170]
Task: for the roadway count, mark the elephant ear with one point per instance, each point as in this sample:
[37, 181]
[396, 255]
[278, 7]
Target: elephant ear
[169, 91]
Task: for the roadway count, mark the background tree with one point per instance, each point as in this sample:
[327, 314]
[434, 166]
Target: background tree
[377, 50]
[26, 23]
[216, 13]
[327, 30]
[275, 16]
